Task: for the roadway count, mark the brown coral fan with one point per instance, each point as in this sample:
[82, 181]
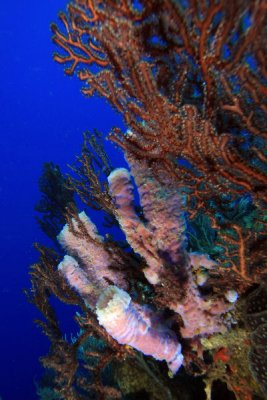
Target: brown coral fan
[177, 83]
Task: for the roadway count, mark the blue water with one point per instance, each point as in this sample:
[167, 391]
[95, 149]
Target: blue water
[42, 117]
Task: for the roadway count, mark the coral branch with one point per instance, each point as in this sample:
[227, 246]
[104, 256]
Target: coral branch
[173, 113]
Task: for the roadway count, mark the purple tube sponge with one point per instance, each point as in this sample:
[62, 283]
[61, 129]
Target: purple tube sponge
[163, 236]
[83, 242]
[130, 324]
[160, 239]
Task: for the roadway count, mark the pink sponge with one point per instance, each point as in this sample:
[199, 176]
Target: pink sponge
[129, 324]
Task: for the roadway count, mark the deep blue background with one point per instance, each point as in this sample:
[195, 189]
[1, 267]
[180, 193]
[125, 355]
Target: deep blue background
[42, 117]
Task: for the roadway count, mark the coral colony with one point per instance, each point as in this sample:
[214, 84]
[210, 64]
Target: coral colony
[185, 285]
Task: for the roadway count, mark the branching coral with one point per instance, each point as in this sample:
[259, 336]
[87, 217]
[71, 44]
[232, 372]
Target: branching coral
[89, 170]
[185, 87]
[56, 197]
